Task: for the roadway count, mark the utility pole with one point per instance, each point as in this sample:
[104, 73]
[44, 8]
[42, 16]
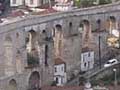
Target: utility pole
[119, 35]
[99, 51]
[115, 76]
[99, 40]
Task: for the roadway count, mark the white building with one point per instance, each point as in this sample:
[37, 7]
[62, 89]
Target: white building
[60, 72]
[29, 3]
[87, 59]
[63, 7]
[15, 3]
[32, 3]
[61, 1]
[35, 3]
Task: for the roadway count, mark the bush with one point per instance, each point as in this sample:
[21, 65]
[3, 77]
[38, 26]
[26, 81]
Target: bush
[105, 2]
[82, 80]
[53, 83]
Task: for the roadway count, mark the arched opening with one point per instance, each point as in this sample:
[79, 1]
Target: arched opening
[98, 27]
[31, 41]
[58, 27]
[32, 48]
[34, 81]
[9, 66]
[46, 55]
[70, 28]
[85, 28]
[12, 85]
[58, 40]
[111, 24]
[80, 28]
[113, 36]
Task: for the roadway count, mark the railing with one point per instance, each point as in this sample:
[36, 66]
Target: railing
[91, 73]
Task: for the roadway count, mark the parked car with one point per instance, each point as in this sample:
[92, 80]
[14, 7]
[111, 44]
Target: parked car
[111, 62]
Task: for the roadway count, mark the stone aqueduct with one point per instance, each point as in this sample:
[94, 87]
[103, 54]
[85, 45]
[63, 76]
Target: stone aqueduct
[58, 27]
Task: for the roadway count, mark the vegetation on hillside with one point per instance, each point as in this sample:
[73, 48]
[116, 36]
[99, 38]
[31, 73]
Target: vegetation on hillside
[88, 3]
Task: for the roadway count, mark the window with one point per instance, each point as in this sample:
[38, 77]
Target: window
[55, 69]
[88, 54]
[98, 24]
[70, 28]
[62, 68]
[70, 24]
[85, 64]
[31, 1]
[46, 55]
[14, 2]
[17, 35]
[56, 79]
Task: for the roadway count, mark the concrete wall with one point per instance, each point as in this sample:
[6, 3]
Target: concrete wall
[16, 3]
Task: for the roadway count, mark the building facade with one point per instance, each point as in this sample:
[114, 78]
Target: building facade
[87, 59]
[30, 44]
[29, 3]
[15, 3]
[60, 76]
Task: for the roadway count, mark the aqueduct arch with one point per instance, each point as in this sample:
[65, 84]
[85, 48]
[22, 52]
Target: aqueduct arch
[58, 36]
[34, 81]
[32, 46]
[111, 24]
[85, 27]
[12, 85]
[31, 40]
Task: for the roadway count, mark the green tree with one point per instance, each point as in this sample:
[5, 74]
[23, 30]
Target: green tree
[105, 2]
[88, 3]
[77, 3]
[84, 3]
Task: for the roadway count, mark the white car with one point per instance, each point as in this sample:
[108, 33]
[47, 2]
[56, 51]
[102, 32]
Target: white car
[111, 62]
[63, 7]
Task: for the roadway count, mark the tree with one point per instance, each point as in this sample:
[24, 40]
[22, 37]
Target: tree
[87, 3]
[105, 2]
[77, 3]
[84, 3]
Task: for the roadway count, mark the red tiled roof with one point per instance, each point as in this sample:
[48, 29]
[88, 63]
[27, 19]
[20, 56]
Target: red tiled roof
[16, 13]
[58, 61]
[63, 88]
